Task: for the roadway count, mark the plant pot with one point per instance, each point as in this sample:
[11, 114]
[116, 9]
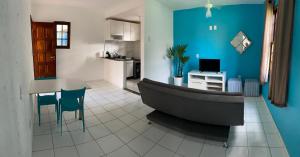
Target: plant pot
[178, 81]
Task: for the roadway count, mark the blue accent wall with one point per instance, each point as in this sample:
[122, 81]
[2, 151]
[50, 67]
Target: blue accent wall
[288, 119]
[192, 27]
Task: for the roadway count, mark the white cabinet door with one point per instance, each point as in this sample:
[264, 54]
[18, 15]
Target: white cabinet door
[120, 30]
[116, 28]
[134, 31]
[129, 68]
[126, 31]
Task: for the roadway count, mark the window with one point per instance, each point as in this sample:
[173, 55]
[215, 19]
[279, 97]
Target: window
[266, 61]
[63, 33]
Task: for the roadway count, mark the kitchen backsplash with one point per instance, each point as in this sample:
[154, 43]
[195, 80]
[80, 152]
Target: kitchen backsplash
[124, 48]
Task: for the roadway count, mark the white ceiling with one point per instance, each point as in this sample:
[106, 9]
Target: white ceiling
[132, 14]
[92, 4]
[127, 9]
[184, 4]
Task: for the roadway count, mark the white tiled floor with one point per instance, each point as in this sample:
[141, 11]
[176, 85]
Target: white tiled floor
[117, 127]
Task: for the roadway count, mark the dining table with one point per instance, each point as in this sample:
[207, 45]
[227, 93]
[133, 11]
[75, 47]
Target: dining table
[55, 85]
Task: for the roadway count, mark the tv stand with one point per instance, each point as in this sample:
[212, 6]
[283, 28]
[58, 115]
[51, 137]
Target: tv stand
[213, 81]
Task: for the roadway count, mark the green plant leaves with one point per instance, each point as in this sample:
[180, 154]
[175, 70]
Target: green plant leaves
[180, 50]
[171, 52]
[184, 59]
[177, 54]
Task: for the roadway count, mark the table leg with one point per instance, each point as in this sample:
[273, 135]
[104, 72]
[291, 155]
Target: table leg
[32, 101]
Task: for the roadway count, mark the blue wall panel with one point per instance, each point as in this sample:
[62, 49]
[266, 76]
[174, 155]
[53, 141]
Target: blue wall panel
[288, 119]
[192, 27]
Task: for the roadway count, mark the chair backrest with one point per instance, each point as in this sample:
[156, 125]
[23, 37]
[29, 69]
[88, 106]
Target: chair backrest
[45, 78]
[74, 94]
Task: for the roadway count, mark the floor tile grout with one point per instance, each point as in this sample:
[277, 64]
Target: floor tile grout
[131, 105]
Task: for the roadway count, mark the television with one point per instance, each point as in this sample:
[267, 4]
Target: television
[209, 65]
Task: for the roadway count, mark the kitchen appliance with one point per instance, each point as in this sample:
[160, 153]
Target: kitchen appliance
[136, 69]
[108, 55]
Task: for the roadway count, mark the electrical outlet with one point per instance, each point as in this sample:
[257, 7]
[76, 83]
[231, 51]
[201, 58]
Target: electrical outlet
[197, 56]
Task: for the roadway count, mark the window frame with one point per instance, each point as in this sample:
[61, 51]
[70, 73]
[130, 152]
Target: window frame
[69, 34]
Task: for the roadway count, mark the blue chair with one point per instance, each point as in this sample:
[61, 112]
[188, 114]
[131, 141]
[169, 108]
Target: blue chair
[72, 100]
[45, 100]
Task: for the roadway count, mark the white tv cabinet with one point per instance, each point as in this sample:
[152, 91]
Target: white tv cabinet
[213, 81]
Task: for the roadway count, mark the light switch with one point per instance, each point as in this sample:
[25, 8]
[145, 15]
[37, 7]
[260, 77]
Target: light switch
[215, 27]
[210, 28]
[197, 56]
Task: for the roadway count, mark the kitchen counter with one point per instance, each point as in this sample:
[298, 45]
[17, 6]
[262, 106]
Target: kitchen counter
[119, 59]
[115, 72]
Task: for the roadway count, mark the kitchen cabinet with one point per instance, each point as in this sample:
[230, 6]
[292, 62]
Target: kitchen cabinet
[134, 32]
[120, 30]
[117, 28]
[127, 32]
[114, 30]
[129, 68]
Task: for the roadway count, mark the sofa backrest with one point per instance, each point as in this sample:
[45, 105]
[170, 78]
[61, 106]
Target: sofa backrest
[217, 108]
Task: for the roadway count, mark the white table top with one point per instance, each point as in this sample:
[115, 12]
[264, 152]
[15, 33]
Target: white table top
[55, 85]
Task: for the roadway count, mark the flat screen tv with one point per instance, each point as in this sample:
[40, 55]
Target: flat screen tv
[209, 65]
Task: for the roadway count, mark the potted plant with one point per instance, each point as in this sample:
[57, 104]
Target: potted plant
[176, 55]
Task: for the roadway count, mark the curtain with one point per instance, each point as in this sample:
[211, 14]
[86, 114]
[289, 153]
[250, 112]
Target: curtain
[281, 55]
[267, 42]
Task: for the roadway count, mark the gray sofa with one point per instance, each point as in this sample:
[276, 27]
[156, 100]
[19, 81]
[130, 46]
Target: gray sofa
[191, 105]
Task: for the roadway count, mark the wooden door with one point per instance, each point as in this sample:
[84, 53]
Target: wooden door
[44, 49]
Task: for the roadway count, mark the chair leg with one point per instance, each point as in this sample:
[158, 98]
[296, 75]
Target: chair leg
[75, 114]
[39, 113]
[61, 121]
[57, 113]
[83, 122]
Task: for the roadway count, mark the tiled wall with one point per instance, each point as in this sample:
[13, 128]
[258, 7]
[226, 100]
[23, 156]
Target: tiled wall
[124, 48]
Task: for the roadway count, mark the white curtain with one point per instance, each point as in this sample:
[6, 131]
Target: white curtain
[267, 43]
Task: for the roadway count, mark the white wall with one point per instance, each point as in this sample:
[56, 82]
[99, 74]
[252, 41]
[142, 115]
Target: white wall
[123, 7]
[16, 73]
[143, 40]
[158, 37]
[87, 39]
